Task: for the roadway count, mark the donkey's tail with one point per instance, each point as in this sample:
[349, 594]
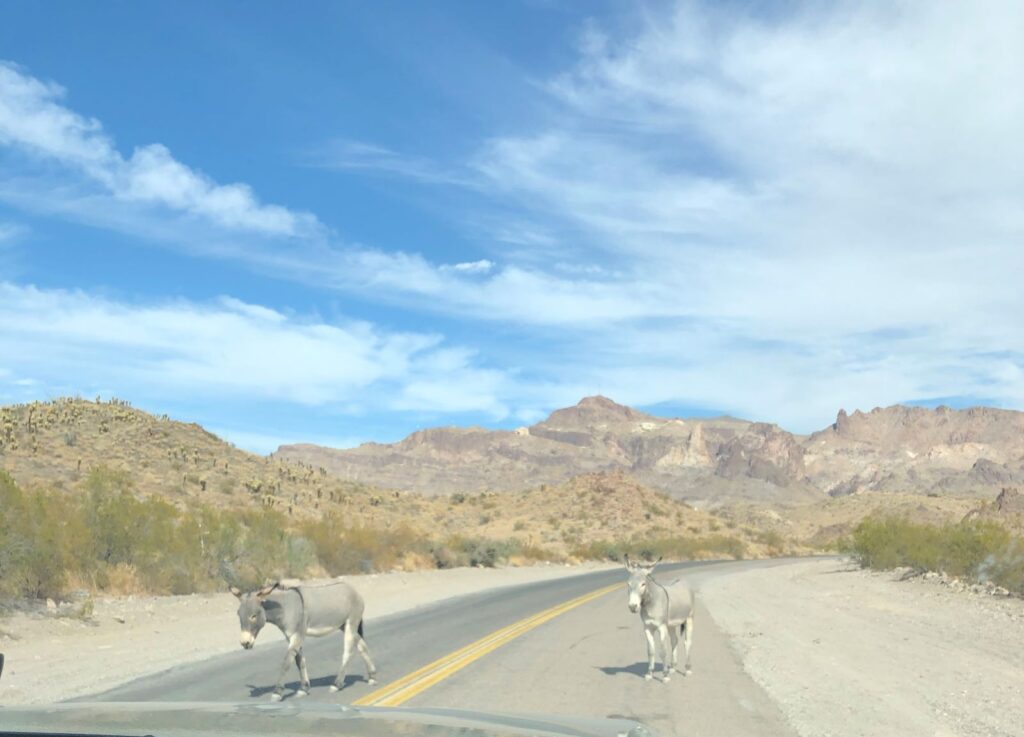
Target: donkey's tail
[359, 629]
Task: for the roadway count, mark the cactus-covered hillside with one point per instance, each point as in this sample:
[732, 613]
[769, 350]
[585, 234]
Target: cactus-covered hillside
[56, 444]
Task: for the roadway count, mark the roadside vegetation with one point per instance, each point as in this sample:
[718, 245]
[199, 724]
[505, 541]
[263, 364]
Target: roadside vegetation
[109, 540]
[106, 538]
[973, 550]
[671, 546]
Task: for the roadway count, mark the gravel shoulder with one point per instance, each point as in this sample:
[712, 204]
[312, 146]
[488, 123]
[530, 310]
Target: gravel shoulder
[51, 658]
[846, 652]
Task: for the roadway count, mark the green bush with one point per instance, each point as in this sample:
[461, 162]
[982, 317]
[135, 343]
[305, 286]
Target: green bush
[34, 555]
[974, 550]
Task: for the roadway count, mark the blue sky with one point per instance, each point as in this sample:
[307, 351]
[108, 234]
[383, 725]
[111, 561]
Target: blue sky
[348, 221]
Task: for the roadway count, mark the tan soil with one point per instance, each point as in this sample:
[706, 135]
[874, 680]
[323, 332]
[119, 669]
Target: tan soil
[846, 652]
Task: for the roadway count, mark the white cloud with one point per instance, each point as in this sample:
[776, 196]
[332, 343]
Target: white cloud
[774, 214]
[807, 186]
[482, 266]
[81, 342]
[34, 121]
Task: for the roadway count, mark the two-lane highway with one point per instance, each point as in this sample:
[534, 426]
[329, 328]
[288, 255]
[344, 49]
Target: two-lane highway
[566, 646]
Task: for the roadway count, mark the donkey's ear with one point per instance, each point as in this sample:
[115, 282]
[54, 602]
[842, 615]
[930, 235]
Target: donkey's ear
[236, 591]
[629, 563]
[265, 591]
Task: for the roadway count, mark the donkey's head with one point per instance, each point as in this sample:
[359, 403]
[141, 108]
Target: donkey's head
[639, 580]
[251, 615]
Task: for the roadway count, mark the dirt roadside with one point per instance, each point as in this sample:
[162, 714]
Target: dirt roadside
[52, 658]
[846, 652]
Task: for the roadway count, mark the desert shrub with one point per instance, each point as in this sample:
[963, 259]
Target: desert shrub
[600, 550]
[472, 551]
[771, 539]
[973, 549]
[356, 549]
[671, 547]
[33, 554]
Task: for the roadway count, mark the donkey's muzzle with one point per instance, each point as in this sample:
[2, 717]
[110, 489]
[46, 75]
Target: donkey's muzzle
[248, 640]
[633, 608]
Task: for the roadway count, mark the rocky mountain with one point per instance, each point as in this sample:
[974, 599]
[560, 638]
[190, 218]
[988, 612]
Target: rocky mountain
[67, 446]
[689, 459]
[897, 449]
[973, 451]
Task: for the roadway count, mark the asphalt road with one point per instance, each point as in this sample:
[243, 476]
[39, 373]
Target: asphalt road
[588, 661]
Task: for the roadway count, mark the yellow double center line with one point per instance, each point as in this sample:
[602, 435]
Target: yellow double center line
[408, 686]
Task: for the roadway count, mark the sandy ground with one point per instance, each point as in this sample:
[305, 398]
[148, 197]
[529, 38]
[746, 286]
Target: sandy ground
[845, 652]
[52, 658]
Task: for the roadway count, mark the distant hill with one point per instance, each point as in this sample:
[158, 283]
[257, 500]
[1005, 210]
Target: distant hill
[971, 452]
[55, 445]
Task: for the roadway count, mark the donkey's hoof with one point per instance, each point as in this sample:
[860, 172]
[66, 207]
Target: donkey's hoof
[275, 697]
[688, 672]
[334, 688]
[372, 681]
[300, 693]
[648, 676]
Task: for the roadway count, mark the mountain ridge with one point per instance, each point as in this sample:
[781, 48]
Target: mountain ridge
[971, 451]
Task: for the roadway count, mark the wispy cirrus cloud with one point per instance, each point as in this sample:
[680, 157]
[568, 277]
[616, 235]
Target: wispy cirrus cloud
[360, 156]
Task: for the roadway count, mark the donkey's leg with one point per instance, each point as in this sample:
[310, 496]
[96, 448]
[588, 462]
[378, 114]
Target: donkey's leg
[673, 634]
[294, 645]
[649, 634]
[300, 663]
[364, 652]
[346, 653]
[687, 640]
[666, 652]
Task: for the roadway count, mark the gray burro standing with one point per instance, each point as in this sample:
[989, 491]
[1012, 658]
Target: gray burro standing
[666, 612]
[306, 610]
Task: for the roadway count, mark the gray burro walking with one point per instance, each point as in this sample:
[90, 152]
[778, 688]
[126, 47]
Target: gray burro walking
[306, 610]
[666, 611]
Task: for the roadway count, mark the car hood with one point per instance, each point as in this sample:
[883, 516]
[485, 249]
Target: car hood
[185, 719]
